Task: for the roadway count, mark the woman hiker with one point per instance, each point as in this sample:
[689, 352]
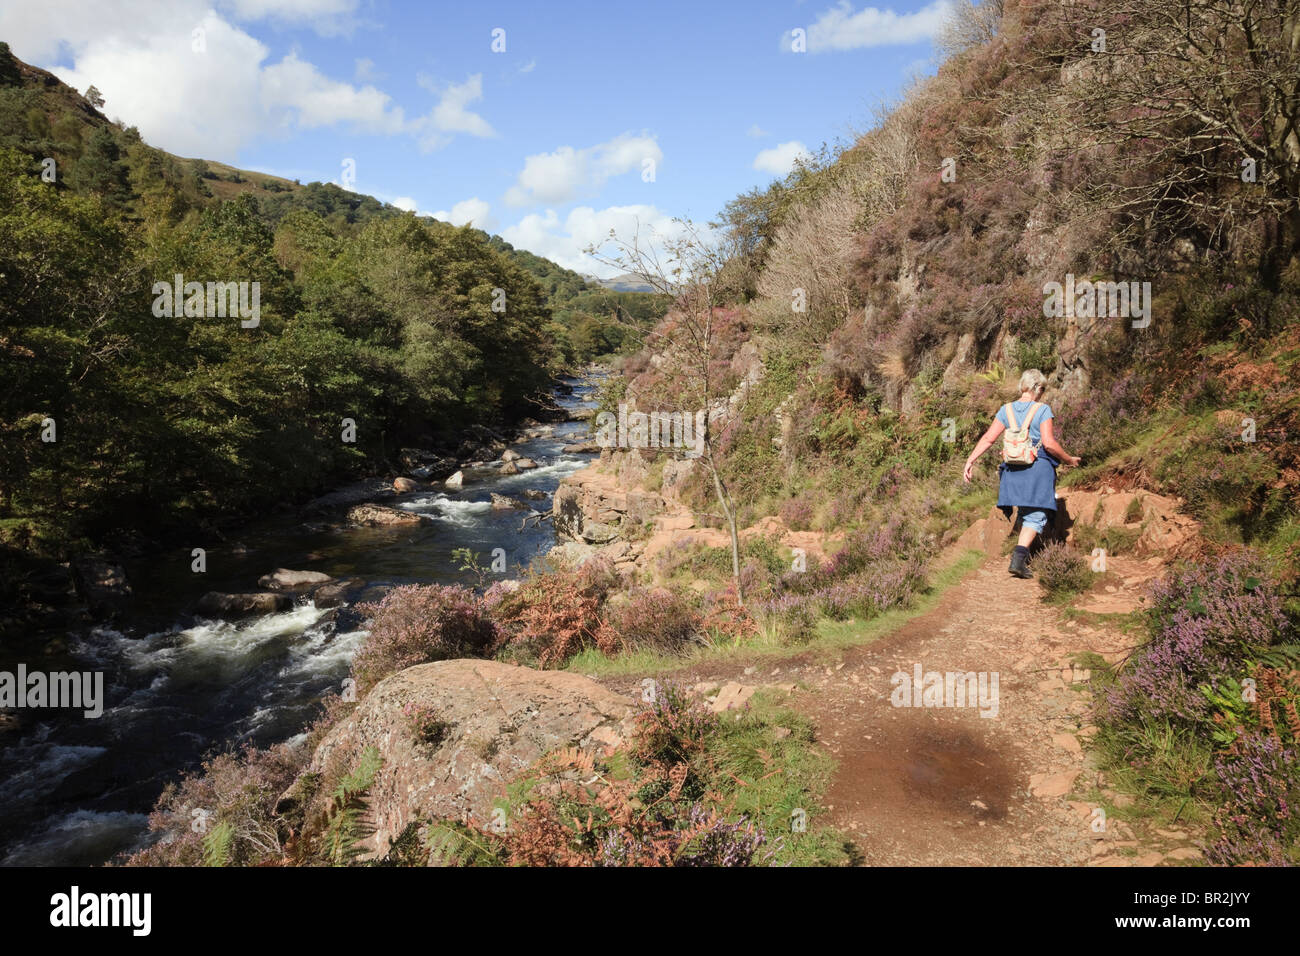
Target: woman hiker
[1028, 471]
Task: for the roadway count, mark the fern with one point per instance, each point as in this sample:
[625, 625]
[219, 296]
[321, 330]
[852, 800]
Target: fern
[347, 805]
[217, 844]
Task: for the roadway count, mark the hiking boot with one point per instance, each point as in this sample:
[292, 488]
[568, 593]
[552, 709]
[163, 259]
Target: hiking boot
[1019, 557]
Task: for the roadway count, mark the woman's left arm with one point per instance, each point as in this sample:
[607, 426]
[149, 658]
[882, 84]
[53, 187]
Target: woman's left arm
[984, 444]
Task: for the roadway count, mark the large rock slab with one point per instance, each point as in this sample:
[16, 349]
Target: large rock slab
[372, 515]
[282, 579]
[498, 720]
[227, 606]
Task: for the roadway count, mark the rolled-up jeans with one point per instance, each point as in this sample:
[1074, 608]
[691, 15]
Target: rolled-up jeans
[1033, 518]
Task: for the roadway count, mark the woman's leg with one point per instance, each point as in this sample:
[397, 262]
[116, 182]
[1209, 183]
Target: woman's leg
[1032, 523]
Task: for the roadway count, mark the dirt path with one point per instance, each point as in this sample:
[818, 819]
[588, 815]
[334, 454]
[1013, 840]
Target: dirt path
[925, 785]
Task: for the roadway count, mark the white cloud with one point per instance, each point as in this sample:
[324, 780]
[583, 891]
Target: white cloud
[568, 173]
[779, 160]
[756, 132]
[473, 210]
[562, 240]
[406, 203]
[326, 17]
[197, 84]
[450, 116]
[840, 28]
[295, 85]
[528, 67]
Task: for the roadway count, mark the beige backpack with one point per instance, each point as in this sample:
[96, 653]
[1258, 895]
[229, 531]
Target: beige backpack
[1016, 446]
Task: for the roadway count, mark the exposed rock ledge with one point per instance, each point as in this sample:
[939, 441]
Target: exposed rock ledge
[499, 720]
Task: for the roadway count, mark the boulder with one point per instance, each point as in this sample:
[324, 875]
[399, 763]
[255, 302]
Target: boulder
[510, 455]
[457, 480]
[282, 579]
[533, 494]
[372, 515]
[403, 485]
[498, 719]
[101, 584]
[336, 592]
[510, 468]
[228, 606]
[506, 503]
[525, 464]
[581, 448]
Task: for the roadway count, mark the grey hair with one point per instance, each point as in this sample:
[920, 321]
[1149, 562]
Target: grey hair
[1032, 380]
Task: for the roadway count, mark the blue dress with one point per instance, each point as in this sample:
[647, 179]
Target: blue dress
[1028, 487]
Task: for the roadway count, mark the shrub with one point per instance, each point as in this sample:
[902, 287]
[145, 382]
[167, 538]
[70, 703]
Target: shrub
[1061, 571]
[553, 615]
[427, 725]
[797, 514]
[1257, 822]
[671, 729]
[224, 814]
[417, 624]
[1205, 622]
[659, 619]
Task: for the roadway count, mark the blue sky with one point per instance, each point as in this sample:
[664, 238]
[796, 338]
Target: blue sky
[595, 115]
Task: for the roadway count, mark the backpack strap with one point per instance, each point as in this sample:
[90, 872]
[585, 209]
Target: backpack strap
[1011, 418]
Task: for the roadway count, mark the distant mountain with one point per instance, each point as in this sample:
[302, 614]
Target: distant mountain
[627, 282]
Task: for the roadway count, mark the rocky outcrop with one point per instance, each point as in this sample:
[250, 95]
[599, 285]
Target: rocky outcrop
[494, 721]
[231, 606]
[373, 515]
[403, 485]
[282, 579]
[595, 506]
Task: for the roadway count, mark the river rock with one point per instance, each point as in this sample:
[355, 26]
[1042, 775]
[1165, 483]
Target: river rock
[499, 719]
[533, 494]
[336, 592]
[510, 468]
[101, 584]
[510, 455]
[581, 448]
[403, 485]
[373, 515]
[506, 503]
[456, 481]
[225, 606]
[282, 579]
[525, 464]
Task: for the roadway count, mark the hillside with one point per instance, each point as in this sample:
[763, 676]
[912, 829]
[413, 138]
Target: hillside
[43, 117]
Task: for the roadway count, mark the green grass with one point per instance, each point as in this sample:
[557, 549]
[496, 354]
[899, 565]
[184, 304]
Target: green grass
[777, 781]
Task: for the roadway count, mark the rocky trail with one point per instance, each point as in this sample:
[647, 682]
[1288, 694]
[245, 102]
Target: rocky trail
[943, 785]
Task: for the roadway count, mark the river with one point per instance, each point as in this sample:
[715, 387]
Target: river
[77, 791]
